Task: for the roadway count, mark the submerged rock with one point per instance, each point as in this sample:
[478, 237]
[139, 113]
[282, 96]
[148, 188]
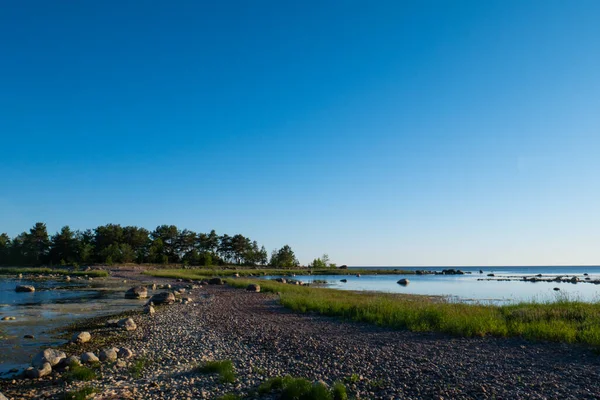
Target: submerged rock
[137, 292]
[51, 356]
[24, 289]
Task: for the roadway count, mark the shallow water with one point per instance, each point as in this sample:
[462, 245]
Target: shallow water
[54, 304]
[475, 287]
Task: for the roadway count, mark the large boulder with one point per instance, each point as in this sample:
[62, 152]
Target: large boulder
[128, 324]
[50, 356]
[163, 298]
[215, 281]
[253, 287]
[35, 372]
[89, 357]
[81, 337]
[109, 355]
[24, 289]
[137, 292]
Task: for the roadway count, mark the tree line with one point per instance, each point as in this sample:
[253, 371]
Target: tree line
[115, 244]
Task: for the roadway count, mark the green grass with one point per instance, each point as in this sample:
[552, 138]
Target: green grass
[223, 368]
[290, 388]
[80, 394]
[203, 273]
[230, 396]
[138, 366]
[80, 373]
[562, 321]
[55, 271]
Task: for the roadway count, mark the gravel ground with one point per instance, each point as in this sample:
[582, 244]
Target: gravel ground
[265, 340]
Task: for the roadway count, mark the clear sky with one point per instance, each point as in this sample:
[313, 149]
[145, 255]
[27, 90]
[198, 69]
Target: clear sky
[381, 133]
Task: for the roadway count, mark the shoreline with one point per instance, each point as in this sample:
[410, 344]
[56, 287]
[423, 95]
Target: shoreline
[263, 339]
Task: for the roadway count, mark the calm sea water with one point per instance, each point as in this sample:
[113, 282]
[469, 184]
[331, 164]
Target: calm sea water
[54, 304]
[469, 288]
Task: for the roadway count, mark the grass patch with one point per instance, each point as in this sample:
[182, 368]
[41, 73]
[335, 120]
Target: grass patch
[52, 271]
[80, 394]
[137, 367]
[80, 373]
[230, 396]
[290, 388]
[223, 368]
[562, 321]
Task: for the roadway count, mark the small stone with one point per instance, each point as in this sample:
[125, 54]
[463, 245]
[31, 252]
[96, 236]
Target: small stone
[89, 357]
[137, 292]
[35, 373]
[81, 337]
[125, 353]
[108, 355]
[149, 310]
[73, 360]
[253, 287]
[128, 324]
[50, 356]
[28, 337]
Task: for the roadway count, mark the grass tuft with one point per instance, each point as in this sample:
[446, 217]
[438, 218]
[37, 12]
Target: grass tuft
[80, 373]
[80, 394]
[223, 368]
[290, 388]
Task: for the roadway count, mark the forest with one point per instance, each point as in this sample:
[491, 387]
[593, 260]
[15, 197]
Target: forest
[115, 244]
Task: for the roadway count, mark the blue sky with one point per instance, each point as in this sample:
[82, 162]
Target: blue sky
[381, 133]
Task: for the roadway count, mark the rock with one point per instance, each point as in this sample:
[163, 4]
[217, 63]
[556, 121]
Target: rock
[8, 318]
[28, 337]
[403, 282]
[35, 373]
[128, 324]
[556, 288]
[358, 275]
[3, 397]
[574, 279]
[137, 292]
[149, 310]
[112, 323]
[186, 300]
[68, 278]
[253, 287]
[20, 276]
[109, 355]
[236, 275]
[81, 337]
[215, 281]
[125, 353]
[491, 275]
[89, 357]
[50, 356]
[162, 298]
[121, 364]
[281, 280]
[153, 287]
[344, 280]
[73, 360]
[24, 289]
